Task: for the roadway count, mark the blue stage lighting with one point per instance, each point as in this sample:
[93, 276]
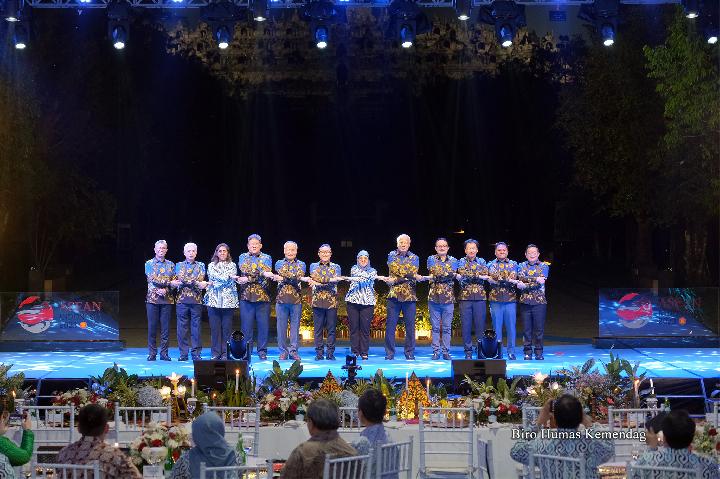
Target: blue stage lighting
[711, 34]
[608, 34]
[505, 35]
[238, 347]
[463, 9]
[321, 36]
[222, 35]
[691, 8]
[260, 10]
[119, 37]
[11, 11]
[20, 36]
[407, 36]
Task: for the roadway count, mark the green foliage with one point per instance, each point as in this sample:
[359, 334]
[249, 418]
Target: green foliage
[333, 397]
[279, 378]
[243, 397]
[10, 383]
[360, 386]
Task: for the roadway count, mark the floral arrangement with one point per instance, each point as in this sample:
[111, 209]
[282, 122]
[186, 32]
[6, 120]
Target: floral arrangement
[175, 440]
[148, 396]
[80, 398]
[412, 398]
[707, 442]
[283, 402]
[330, 384]
[542, 389]
[494, 403]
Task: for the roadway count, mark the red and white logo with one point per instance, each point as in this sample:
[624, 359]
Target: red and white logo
[34, 315]
[634, 310]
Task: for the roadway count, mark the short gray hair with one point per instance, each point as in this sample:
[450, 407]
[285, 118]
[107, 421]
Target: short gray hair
[159, 242]
[403, 236]
[254, 236]
[324, 414]
[188, 245]
[290, 242]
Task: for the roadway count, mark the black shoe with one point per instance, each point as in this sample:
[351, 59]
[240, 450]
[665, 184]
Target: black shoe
[468, 355]
[539, 357]
[410, 357]
[447, 357]
[151, 358]
[330, 357]
[262, 356]
[511, 357]
[319, 357]
[183, 358]
[527, 357]
[165, 358]
[435, 356]
[364, 357]
[389, 358]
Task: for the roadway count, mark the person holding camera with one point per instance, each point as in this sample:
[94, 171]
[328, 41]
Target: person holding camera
[10, 454]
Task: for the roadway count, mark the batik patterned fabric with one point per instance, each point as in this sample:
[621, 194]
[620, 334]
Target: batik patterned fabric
[257, 287]
[189, 274]
[443, 282]
[288, 291]
[472, 288]
[159, 274]
[502, 271]
[683, 458]
[6, 470]
[528, 273]
[324, 295]
[113, 462]
[223, 291]
[402, 269]
[362, 289]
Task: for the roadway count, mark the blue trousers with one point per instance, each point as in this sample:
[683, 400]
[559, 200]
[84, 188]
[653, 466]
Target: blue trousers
[285, 312]
[504, 313]
[533, 316]
[408, 309]
[220, 330]
[359, 319]
[324, 318]
[158, 315]
[441, 315]
[188, 328]
[255, 312]
[472, 316]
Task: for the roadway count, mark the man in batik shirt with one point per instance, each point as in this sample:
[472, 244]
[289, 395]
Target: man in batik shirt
[324, 277]
[533, 305]
[288, 306]
[158, 300]
[441, 297]
[190, 282]
[255, 293]
[403, 267]
[503, 294]
[472, 273]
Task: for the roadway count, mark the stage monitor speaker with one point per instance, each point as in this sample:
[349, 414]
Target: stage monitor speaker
[477, 370]
[215, 374]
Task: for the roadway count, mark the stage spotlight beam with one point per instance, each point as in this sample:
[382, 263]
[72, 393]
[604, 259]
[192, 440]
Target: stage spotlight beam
[608, 35]
[119, 37]
[321, 37]
[506, 35]
[20, 36]
[11, 11]
[463, 9]
[691, 8]
[260, 10]
[407, 36]
[222, 35]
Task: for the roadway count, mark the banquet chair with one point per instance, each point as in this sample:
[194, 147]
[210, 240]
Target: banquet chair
[530, 415]
[713, 416]
[636, 471]
[65, 471]
[446, 442]
[234, 472]
[630, 421]
[130, 421]
[240, 420]
[547, 466]
[485, 459]
[392, 459]
[53, 425]
[351, 467]
[349, 420]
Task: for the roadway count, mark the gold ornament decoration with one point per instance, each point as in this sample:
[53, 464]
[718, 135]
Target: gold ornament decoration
[412, 398]
[330, 384]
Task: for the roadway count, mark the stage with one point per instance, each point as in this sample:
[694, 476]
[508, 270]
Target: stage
[657, 362]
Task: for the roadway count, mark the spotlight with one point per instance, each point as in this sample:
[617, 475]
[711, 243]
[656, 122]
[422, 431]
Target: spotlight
[20, 36]
[321, 36]
[463, 9]
[11, 11]
[407, 21]
[506, 16]
[489, 347]
[691, 8]
[505, 35]
[260, 10]
[222, 35]
[238, 347]
[119, 37]
[712, 38]
[603, 15]
[407, 36]
[118, 24]
[607, 32]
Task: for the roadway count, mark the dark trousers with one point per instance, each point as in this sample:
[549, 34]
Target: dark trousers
[188, 329]
[324, 318]
[408, 309]
[359, 318]
[259, 312]
[533, 316]
[220, 330]
[472, 316]
[285, 312]
[158, 315]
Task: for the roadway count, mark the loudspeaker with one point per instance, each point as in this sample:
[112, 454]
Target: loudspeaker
[215, 374]
[477, 370]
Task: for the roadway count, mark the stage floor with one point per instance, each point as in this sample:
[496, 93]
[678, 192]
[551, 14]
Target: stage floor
[658, 362]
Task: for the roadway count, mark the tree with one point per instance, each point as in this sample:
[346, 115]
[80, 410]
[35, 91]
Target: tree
[686, 70]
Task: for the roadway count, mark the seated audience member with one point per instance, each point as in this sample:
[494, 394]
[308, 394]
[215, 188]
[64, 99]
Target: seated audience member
[93, 426]
[208, 435]
[565, 414]
[678, 430]
[371, 410]
[10, 454]
[308, 459]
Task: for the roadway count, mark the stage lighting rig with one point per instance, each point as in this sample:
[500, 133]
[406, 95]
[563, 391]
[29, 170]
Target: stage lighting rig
[238, 347]
[506, 16]
[321, 15]
[11, 10]
[260, 10]
[463, 9]
[118, 13]
[21, 35]
[603, 14]
[691, 8]
[352, 368]
[407, 21]
[221, 18]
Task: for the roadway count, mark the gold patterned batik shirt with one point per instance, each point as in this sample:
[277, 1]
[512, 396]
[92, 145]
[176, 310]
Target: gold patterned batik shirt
[472, 288]
[443, 282]
[502, 271]
[189, 274]
[288, 291]
[159, 274]
[324, 295]
[528, 273]
[253, 266]
[402, 269]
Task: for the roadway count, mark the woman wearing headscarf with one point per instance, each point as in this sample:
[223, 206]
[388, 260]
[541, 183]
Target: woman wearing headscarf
[208, 435]
[360, 301]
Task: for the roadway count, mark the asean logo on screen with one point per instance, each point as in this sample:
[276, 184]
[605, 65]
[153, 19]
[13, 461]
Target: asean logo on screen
[34, 315]
[634, 310]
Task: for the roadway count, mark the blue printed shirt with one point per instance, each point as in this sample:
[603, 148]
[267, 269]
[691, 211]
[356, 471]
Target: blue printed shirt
[324, 295]
[223, 291]
[472, 288]
[258, 286]
[443, 282]
[502, 271]
[669, 457]
[402, 269]
[362, 287]
[288, 291]
[189, 274]
[159, 274]
[528, 273]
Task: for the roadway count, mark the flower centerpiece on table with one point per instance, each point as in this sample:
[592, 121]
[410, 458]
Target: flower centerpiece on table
[175, 440]
[79, 398]
[283, 403]
[707, 442]
[494, 402]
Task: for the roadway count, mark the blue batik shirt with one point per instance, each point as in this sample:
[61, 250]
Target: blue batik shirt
[402, 269]
[159, 274]
[324, 295]
[362, 287]
[472, 288]
[189, 274]
[683, 458]
[223, 291]
[502, 271]
[443, 282]
[534, 292]
[288, 290]
[258, 286]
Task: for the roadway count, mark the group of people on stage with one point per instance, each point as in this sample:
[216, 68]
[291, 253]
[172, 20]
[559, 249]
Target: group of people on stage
[225, 286]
